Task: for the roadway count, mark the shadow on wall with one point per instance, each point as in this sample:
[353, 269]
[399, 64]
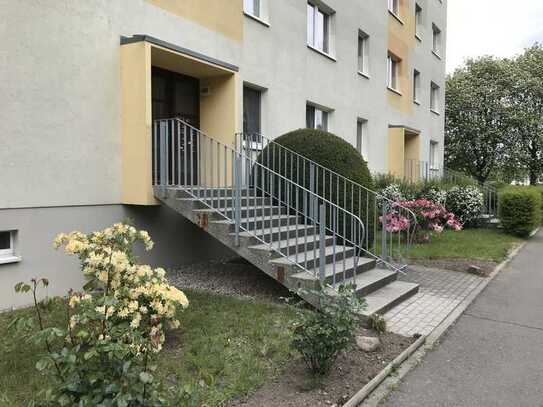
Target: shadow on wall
[177, 240]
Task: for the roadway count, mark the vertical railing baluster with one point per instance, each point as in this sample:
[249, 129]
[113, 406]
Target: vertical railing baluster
[322, 248]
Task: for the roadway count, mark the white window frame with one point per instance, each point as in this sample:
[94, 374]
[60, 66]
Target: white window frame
[435, 92]
[363, 51]
[362, 138]
[419, 21]
[433, 155]
[394, 7]
[10, 255]
[321, 117]
[314, 10]
[416, 86]
[253, 8]
[436, 40]
[393, 73]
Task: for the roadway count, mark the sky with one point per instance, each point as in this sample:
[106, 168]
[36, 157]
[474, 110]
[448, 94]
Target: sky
[491, 27]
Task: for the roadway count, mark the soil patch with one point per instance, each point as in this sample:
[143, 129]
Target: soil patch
[457, 265]
[353, 369]
[229, 277]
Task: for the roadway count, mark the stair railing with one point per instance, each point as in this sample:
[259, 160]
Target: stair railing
[258, 201]
[390, 227]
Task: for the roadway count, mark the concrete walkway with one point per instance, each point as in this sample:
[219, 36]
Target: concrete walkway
[493, 356]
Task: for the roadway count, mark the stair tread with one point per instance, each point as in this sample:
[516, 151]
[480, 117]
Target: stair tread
[329, 268]
[274, 229]
[289, 242]
[312, 254]
[381, 298]
[258, 219]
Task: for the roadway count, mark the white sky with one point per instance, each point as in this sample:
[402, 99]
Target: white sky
[491, 27]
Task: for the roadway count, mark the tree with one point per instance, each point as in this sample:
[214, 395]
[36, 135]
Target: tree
[477, 121]
[525, 104]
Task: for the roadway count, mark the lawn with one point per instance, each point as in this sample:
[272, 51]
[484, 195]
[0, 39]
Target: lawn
[226, 347]
[473, 244]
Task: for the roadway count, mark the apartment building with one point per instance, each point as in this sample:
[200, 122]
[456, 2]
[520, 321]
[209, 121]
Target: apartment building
[84, 81]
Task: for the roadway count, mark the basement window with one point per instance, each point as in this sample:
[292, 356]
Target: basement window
[7, 247]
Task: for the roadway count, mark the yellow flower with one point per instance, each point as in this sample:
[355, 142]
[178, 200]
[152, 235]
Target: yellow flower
[74, 300]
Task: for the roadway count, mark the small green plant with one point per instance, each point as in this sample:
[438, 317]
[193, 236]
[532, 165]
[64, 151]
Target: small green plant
[378, 323]
[321, 335]
[104, 351]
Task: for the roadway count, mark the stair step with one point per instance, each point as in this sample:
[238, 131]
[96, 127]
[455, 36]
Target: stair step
[372, 280]
[276, 233]
[364, 264]
[380, 301]
[254, 225]
[311, 258]
[184, 192]
[288, 246]
[261, 212]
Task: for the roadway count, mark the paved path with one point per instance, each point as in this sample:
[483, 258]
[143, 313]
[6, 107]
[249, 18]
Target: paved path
[493, 356]
[439, 293]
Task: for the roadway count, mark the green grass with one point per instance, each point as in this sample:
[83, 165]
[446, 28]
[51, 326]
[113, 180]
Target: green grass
[226, 348]
[474, 244]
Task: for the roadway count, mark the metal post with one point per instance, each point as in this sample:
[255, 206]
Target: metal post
[322, 245]
[312, 203]
[162, 141]
[384, 254]
[237, 191]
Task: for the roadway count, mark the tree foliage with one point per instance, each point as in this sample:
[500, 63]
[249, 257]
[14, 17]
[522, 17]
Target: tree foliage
[494, 120]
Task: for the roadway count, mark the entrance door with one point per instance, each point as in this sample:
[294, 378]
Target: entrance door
[176, 96]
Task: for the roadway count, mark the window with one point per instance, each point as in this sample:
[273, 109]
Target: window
[318, 28]
[434, 98]
[418, 21]
[363, 53]
[436, 40]
[316, 118]
[394, 7]
[434, 161]
[362, 137]
[416, 86]
[252, 7]
[7, 246]
[252, 115]
[393, 70]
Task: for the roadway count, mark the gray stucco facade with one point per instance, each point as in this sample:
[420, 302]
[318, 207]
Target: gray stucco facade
[61, 116]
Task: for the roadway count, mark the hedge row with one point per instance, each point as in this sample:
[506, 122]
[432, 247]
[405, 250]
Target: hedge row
[521, 209]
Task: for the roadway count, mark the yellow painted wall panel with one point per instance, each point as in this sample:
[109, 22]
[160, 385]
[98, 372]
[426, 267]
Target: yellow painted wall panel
[136, 124]
[396, 151]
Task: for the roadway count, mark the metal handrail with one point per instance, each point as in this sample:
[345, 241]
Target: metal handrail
[185, 157]
[391, 245]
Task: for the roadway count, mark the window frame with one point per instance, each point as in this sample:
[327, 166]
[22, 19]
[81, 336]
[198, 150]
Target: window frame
[394, 7]
[435, 105]
[419, 21]
[10, 255]
[416, 86]
[363, 53]
[362, 139]
[324, 113]
[432, 159]
[437, 40]
[313, 10]
[255, 5]
[393, 73]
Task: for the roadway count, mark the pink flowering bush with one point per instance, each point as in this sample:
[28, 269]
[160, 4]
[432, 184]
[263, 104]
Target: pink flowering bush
[431, 218]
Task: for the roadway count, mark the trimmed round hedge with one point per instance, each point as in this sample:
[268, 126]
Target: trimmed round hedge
[520, 210]
[333, 153]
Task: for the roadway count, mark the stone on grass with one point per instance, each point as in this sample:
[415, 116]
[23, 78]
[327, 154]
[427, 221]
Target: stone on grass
[367, 343]
[478, 271]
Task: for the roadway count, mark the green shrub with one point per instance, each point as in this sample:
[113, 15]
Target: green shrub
[321, 335]
[331, 152]
[520, 210]
[539, 189]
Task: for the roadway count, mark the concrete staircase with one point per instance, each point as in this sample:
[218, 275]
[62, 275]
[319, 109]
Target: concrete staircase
[289, 239]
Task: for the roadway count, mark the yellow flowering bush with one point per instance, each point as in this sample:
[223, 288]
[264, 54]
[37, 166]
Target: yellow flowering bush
[114, 326]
